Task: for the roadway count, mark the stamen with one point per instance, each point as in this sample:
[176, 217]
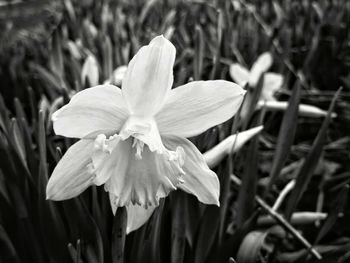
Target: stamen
[104, 144]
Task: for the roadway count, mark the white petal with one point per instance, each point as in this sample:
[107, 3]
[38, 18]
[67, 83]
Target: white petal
[118, 75]
[89, 71]
[260, 66]
[149, 77]
[230, 144]
[199, 105]
[73, 173]
[239, 74]
[199, 180]
[272, 83]
[103, 148]
[141, 181]
[137, 216]
[96, 110]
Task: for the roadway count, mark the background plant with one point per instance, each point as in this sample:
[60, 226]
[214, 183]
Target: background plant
[71, 44]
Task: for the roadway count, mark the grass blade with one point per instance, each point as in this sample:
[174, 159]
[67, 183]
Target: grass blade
[178, 230]
[285, 135]
[308, 167]
[119, 235]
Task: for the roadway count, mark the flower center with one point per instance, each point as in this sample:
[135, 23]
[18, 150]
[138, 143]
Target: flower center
[144, 131]
[106, 145]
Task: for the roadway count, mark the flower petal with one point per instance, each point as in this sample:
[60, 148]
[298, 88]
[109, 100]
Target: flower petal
[239, 74]
[260, 66]
[272, 83]
[103, 147]
[89, 71]
[199, 180]
[199, 105]
[141, 181]
[96, 110]
[137, 215]
[149, 77]
[73, 173]
[231, 144]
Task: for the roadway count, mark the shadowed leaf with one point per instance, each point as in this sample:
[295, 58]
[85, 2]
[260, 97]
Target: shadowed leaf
[309, 165]
[285, 135]
[118, 235]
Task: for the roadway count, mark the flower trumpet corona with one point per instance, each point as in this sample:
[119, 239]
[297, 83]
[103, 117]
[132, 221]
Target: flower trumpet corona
[133, 140]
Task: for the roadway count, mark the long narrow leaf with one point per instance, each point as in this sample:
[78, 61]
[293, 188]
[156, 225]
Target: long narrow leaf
[309, 165]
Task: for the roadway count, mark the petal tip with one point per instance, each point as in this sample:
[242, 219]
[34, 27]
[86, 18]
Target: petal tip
[257, 129]
[49, 190]
[54, 116]
[239, 87]
[161, 41]
[50, 193]
[50, 196]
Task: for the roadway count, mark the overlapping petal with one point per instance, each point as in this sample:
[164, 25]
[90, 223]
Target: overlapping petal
[239, 74]
[260, 66]
[103, 147]
[149, 77]
[137, 215]
[272, 83]
[198, 179]
[96, 110]
[73, 173]
[89, 71]
[197, 106]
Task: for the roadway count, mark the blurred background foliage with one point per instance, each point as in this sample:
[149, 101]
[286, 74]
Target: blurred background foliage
[49, 50]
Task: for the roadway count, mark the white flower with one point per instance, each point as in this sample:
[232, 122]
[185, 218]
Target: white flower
[133, 139]
[272, 81]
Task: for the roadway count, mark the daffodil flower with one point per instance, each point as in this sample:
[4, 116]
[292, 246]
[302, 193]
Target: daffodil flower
[133, 140]
[271, 83]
